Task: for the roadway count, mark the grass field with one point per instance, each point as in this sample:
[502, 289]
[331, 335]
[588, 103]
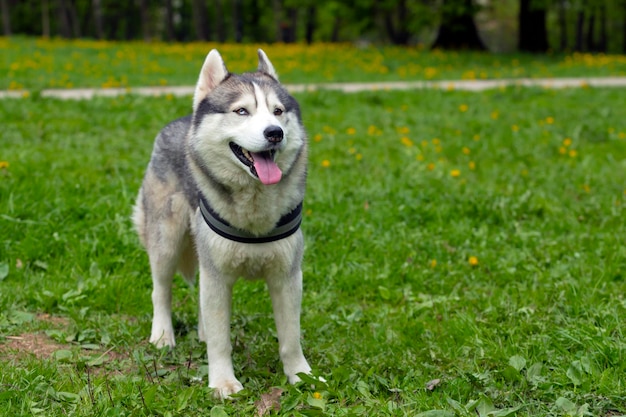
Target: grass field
[465, 256]
[34, 64]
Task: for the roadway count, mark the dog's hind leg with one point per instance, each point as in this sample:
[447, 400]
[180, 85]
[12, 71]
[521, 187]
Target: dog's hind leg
[167, 242]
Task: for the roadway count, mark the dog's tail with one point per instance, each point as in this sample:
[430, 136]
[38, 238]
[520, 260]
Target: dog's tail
[139, 218]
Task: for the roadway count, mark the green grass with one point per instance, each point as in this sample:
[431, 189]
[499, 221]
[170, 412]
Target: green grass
[404, 187]
[35, 64]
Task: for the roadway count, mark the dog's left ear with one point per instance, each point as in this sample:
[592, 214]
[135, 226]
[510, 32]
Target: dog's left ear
[266, 66]
[213, 72]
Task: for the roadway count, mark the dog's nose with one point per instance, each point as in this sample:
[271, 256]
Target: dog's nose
[273, 134]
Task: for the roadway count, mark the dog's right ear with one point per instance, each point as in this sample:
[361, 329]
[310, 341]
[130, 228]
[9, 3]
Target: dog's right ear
[213, 72]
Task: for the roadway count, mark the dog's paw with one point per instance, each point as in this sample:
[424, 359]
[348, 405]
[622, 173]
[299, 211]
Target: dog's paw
[162, 339]
[224, 389]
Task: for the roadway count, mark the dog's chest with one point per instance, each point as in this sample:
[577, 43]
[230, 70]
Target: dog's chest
[254, 261]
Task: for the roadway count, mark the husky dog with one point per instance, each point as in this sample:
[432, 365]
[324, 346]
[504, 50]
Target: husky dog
[223, 192]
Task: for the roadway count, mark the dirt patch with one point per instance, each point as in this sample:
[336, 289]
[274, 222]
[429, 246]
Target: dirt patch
[37, 344]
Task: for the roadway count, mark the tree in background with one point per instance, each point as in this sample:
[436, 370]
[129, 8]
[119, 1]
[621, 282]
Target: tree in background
[533, 35]
[581, 25]
[457, 29]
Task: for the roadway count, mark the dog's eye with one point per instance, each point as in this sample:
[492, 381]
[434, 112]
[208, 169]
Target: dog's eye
[242, 112]
[278, 112]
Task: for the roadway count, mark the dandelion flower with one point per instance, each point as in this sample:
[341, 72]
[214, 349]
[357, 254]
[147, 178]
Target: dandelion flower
[476, 138]
[562, 150]
[567, 142]
[317, 395]
[351, 131]
[549, 120]
[473, 261]
[325, 163]
[431, 166]
[495, 114]
[455, 172]
[406, 141]
[317, 137]
[463, 108]
[515, 128]
[573, 153]
[466, 150]
[4, 164]
[472, 165]
[433, 263]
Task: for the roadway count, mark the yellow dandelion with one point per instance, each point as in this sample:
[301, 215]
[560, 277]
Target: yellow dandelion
[419, 157]
[472, 165]
[424, 143]
[358, 156]
[567, 142]
[325, 163]
[524, 172]
[4, 164]
[562, 150]
[433, 263]
[476, 138]
[431, 166]
[317, 395]
[586, 188]
[473, 261]
[352, 151]
[436, 141]
[621, 135]
[573, 153]
[317, 137]
[495, 114]
[403, 130]
[406, 141]
[466, 150]
[455, 173]
[549, 120]
[515, 128]
[463, 108]
[308, 212]
[351, 131]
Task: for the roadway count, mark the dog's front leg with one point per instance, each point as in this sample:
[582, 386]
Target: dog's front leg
[286, 294]
[215, 306]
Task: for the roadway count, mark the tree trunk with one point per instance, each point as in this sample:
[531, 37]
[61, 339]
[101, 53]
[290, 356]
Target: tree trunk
[278, 19]
[602, 40]
[219, 21]
[65, 26]
[311, 23]
[580, 31]
[563, 41]
[6, 17]
[591, 32]
[334, 36]
[290, 25]
[624, 27]
[458, 29]
[533, 36]
[200, 19]
[237, 22]
[45, 19]
[397, 29]
[144, 13]
[169, 21]
[96, 7]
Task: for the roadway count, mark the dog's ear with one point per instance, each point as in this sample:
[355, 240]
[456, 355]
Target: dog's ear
[213, 72]
[266, 66]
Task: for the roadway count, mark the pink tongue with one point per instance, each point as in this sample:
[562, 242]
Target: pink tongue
[266, 169]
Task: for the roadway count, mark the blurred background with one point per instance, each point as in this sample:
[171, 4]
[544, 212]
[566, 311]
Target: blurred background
[537, 26]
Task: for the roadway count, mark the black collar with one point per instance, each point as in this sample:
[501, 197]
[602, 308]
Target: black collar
[286, 226]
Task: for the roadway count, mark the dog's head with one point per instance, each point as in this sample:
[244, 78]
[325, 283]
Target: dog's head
[246, 123]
